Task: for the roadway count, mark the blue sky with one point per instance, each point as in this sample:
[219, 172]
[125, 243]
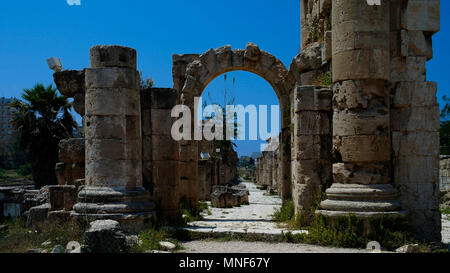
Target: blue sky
[32, 31]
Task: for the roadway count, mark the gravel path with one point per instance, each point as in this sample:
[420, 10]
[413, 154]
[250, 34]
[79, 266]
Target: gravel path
[255, 218]
[260, 247]
[446, 229]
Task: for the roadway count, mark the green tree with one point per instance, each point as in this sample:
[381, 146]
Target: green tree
[445, 128]
[42, 121]
[225, 146]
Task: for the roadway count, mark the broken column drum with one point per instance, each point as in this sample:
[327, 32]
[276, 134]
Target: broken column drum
[113, 140]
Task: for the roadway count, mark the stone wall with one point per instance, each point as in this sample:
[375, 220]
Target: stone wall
[311, 151]
[315, 16]
[160, 151]
[444, 174]
[71, 169]
[269, 167]
[415, 113]
[208, 175]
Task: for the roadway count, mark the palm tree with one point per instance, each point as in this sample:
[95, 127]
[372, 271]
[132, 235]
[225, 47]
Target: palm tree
[42, 121]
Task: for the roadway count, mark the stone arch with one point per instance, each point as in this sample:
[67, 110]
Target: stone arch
[193, 72]
[213, 63]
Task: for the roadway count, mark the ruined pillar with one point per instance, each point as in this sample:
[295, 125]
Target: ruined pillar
[361, 119]
[285, 183]
[113, 141]
[311, 156]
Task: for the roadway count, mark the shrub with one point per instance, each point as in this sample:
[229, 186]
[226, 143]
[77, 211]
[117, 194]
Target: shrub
[2, 173]
[25, 169]
[446, 211]
[324, 79]
[150, 239]
[286, 213]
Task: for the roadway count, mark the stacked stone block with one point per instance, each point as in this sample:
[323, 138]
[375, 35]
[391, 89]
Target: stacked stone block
[444, 174]
[160, 151]
[311, 151]
[315, 20]
[361, 118]
[113, 140]
[207, 169]
[71, 169]
[415, 113]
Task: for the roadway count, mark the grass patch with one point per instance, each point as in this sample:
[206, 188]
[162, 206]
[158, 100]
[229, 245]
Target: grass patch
[189, 212]
[150, 239]
[25, 170]
[19, 238]
[286, 213]
[350, 232]
[446, 211]
[324, 79]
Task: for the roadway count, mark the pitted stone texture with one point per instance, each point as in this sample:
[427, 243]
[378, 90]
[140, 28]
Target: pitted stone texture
[423, 15]
[104, 236]
[72, 165]
[71, 84]
[113, 56]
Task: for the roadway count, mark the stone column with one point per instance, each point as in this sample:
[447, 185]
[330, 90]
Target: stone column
[285, 183]
[361, 119]
[311, 157]
[113, 141]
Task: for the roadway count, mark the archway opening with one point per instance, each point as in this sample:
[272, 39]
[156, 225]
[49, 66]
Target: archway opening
[251, 93]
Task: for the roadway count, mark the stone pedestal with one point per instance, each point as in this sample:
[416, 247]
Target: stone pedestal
[113, 141]
[361, 119]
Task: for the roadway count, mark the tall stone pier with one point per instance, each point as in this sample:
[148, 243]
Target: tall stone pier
[361, 106]
[113, 141]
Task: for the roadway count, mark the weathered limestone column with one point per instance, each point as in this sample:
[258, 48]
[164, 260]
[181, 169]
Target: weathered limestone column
[113, 141]
[361, 119]
[311, 156]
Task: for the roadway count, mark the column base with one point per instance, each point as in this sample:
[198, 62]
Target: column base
[363, 201]
[133, 209]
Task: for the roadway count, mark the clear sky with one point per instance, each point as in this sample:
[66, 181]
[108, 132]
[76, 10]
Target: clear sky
[32, 31]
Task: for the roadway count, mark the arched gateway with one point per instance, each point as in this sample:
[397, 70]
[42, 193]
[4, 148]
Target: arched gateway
[193, 72]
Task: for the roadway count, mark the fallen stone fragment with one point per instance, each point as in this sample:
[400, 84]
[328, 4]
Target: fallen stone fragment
[104, 236]
[167, 245]
[58, 249]
[408, 249]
